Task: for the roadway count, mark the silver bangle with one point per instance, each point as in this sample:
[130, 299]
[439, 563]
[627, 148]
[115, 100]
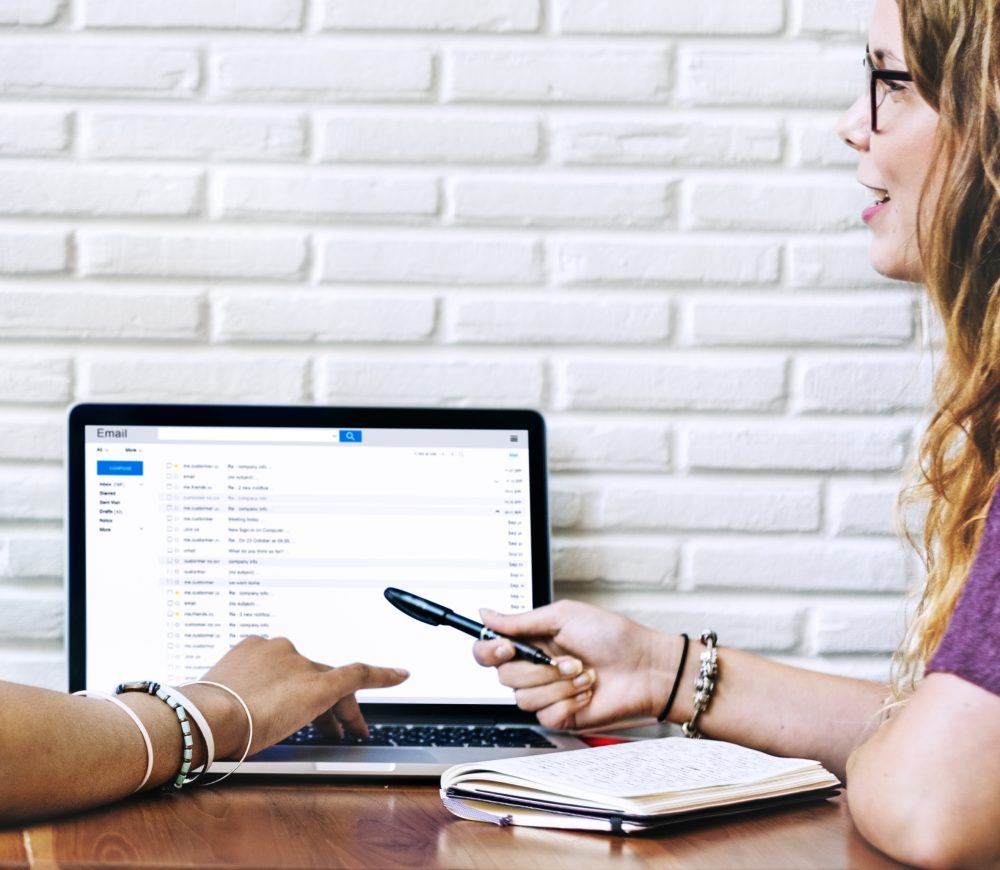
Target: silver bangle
[246, 710]
[708, 674]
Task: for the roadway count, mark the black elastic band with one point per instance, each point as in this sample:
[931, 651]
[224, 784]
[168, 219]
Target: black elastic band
[677, 681]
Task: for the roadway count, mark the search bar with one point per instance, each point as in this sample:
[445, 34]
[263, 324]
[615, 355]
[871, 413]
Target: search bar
[236, 433]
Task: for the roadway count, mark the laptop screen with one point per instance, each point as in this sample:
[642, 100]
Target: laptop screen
[193, 531]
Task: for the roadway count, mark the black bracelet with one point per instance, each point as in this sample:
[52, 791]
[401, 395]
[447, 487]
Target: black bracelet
[677, 681]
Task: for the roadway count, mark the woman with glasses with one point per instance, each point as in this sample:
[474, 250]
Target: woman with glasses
[921, 756]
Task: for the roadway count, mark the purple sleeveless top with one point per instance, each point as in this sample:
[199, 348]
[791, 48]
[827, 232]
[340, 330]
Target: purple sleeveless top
[970, 648]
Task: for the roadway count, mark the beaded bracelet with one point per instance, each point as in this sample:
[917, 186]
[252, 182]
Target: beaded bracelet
[164, 693]
[705, 684]
[203, 727]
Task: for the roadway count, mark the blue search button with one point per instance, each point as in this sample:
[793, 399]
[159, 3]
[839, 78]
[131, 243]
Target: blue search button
[114, 467]
[350, 436]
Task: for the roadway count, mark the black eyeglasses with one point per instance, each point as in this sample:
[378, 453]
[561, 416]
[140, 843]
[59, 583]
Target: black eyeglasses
[880, 82]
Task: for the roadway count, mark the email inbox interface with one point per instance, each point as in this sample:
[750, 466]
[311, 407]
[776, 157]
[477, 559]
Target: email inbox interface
[194, 543]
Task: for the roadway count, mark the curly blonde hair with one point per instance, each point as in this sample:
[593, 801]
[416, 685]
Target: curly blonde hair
[952, 48]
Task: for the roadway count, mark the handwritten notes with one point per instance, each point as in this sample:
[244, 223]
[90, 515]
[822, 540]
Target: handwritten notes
[650, 767]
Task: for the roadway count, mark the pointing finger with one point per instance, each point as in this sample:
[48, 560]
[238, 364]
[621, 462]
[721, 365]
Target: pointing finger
[350, 678]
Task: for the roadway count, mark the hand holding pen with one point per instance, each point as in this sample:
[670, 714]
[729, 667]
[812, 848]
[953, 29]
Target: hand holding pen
[608, 669]
[437, 614]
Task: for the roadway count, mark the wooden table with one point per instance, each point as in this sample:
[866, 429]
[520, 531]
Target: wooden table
[362, 825]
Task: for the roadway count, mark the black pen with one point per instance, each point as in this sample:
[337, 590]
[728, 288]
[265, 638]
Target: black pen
[438, 614]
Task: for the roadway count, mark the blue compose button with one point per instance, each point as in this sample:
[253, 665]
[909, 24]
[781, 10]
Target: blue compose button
[107, 467]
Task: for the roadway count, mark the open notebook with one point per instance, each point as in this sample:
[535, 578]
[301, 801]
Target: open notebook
[190, 527]
[633, 787]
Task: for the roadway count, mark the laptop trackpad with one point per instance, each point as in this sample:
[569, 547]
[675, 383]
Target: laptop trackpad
[332, 757]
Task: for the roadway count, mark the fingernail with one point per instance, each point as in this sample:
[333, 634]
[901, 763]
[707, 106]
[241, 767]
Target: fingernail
[583, 697]
[485, 611]
[570, 668]
[401, 672]
[584, 679]
[505, 651]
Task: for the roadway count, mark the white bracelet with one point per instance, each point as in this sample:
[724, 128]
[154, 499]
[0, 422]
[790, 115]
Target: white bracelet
[246, 710]
[88, 693]
[203, 726]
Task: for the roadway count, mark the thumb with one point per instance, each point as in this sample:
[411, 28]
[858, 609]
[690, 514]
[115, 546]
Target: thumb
[542, 622]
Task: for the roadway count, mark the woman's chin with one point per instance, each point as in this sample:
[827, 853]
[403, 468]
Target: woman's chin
[895, 264]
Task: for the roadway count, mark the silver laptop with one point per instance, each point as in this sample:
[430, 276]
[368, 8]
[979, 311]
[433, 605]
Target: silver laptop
[191, 527]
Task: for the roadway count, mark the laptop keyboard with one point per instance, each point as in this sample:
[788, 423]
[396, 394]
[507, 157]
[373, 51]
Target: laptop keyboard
[429, 735]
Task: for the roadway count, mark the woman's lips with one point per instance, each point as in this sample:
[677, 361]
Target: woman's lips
[881, 197]
[869, 213]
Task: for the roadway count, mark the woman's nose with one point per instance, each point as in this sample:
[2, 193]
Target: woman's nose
[855, 125]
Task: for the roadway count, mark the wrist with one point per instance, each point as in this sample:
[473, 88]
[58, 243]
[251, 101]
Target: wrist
[166, 737]
[224, 716]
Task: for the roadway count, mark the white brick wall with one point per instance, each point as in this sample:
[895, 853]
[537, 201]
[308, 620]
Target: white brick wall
[632, 215]
[469, 16]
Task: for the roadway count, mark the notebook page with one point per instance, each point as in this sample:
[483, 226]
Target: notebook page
[647, 767]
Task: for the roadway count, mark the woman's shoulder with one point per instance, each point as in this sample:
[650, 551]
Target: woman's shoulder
[988, 554]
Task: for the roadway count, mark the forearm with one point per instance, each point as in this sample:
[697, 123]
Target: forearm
[777, 708]
[923, 787]
[612, 669]
[61, 753]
